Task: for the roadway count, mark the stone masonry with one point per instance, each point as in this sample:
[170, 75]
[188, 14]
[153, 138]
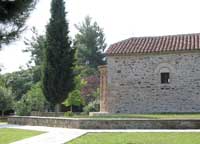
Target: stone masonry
[112, 123]
[134, 83]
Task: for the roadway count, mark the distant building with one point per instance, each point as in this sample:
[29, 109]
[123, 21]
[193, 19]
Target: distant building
[152, 75]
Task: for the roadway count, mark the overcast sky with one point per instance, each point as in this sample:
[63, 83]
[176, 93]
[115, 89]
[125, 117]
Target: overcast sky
[120, 19]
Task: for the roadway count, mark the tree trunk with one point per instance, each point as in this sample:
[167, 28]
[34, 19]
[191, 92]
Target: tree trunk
[57, 109]
[71, 109]
[2, 113]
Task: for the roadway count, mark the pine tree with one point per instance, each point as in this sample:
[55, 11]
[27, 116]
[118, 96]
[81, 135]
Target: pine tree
[13, 15]
[90, 43]
[58, 63]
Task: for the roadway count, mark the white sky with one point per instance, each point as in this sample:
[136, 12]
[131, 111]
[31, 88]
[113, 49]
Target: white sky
[120, 19]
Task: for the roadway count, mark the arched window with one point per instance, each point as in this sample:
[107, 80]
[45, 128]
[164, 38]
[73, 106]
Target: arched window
[165, 72]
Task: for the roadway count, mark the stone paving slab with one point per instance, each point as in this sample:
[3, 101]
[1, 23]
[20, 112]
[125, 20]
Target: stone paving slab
[63, 135]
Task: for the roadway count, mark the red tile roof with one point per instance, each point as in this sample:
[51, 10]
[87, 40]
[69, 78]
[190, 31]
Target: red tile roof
[155, 44]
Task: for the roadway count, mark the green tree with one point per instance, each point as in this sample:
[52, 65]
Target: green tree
[36, 46]
[74, 97]
[13, 15]
[23, 106]
[33, 100]
[2, 81]
[90, 42]
[36, 97]
[20, 82]
[6, 99]
[57, 73]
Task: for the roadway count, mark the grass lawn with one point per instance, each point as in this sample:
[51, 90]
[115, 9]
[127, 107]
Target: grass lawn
[138, 138]
[147, 116]
[11, 135]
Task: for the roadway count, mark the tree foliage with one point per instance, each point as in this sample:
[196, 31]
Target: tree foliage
[88, 91]
[13, 15]
[20, 82]
[2, 81]
[6, 99]
[33, 100]
[23, 107]
[90, 42]
[74, 97]
[57, 73]
[36, 97]
[36, 46]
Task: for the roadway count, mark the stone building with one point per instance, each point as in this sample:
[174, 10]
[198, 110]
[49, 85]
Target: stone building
[152, 75]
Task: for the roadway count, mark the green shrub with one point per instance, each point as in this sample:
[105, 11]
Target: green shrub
[23, 107]
[69, 114]
[92, 107]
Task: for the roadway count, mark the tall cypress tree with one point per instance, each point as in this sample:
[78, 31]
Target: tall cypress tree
[57, 70]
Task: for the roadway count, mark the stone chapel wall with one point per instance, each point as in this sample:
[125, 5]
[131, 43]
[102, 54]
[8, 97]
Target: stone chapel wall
[135, 87]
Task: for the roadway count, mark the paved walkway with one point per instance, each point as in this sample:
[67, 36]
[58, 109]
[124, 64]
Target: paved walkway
[62, 135]
[52, 135]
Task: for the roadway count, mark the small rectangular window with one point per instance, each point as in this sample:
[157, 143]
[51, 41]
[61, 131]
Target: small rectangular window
[164, 78]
